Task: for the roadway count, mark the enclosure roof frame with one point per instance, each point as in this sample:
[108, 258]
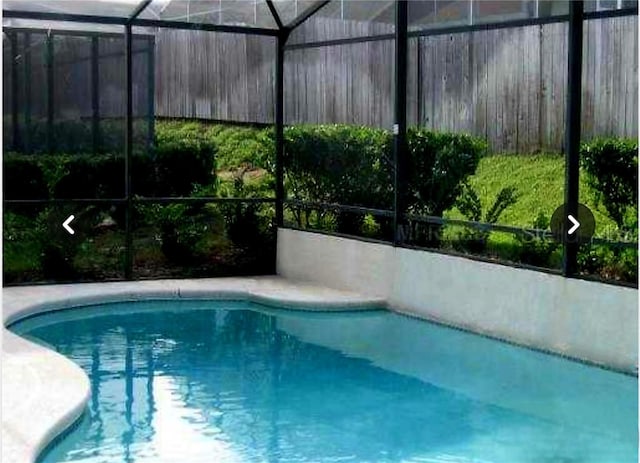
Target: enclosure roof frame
[282, 28]
[137, 22]
[134, 20]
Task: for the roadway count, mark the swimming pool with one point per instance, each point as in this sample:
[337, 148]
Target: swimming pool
[197, 381]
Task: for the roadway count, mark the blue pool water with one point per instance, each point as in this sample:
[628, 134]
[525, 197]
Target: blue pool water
[193, 382]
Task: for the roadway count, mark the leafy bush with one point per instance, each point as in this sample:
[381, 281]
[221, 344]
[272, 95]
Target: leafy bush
[184, 157]
[238, 147]
[538, 249]
[63, 176]
[609, 262]
[339, 164]
[30, 248]
[352, 165]
[612, 171]
[76, 136]
[439, 165]
[470, 206]
[85, 176]
[180, 230]
[23, 178]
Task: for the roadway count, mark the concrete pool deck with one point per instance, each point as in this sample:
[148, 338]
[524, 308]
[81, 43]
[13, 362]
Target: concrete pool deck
[43, 392]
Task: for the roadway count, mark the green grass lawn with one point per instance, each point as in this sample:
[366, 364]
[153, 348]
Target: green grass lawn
[539, 180]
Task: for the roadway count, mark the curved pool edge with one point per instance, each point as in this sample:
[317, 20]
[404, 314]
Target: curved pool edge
[54, 391]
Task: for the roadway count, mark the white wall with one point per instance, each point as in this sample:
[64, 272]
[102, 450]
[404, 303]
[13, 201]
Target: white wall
[582, 319]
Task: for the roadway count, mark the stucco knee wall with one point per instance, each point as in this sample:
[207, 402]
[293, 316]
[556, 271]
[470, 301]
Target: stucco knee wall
[582, 319]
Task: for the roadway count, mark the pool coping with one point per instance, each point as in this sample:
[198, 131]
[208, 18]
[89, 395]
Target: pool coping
[54, 391]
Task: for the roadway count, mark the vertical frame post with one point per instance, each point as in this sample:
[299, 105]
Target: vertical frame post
[400, 153]
[27, 92]
[572, 131]
[128, 147]
[280, 42]
[50, 93]
[95, 92]
[151, 96]
[15, 124]
[418, 81]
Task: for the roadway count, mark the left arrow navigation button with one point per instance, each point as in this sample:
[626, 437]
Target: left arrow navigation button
[66, 223]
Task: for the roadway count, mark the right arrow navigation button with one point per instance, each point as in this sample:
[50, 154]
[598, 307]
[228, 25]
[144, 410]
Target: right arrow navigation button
[575, 223]
[573, 228]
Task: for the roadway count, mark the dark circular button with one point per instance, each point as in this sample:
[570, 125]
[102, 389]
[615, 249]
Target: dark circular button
[570, 228]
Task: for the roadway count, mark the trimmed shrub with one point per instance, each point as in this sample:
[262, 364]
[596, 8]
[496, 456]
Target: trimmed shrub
[238, 146]
[536, 249]
[612, 171]
[89, 176]
[352, 165]
[184, 157]
[23, 178]
[439, 166]
[339, 164]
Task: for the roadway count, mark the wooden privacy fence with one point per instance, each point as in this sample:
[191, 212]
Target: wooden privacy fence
[215, 76]
[505, 85]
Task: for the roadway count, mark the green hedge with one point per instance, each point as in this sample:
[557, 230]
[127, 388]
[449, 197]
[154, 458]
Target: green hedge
[339, 164]
[76, 136]
[181, 160]
[23, 177]
[611, 165]
[353, 165]
[439, 166]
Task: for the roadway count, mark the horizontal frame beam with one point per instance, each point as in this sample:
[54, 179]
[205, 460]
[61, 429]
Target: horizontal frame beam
[466, 28]
[117, 21]
[65, 17]
[108, 20]
[482, 226]
[184, 25]
[336, 42]
[140, 200]
[339, 207]
[73, 32]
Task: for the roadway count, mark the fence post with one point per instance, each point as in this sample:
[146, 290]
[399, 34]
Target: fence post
[572, 131]
[400, 122]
